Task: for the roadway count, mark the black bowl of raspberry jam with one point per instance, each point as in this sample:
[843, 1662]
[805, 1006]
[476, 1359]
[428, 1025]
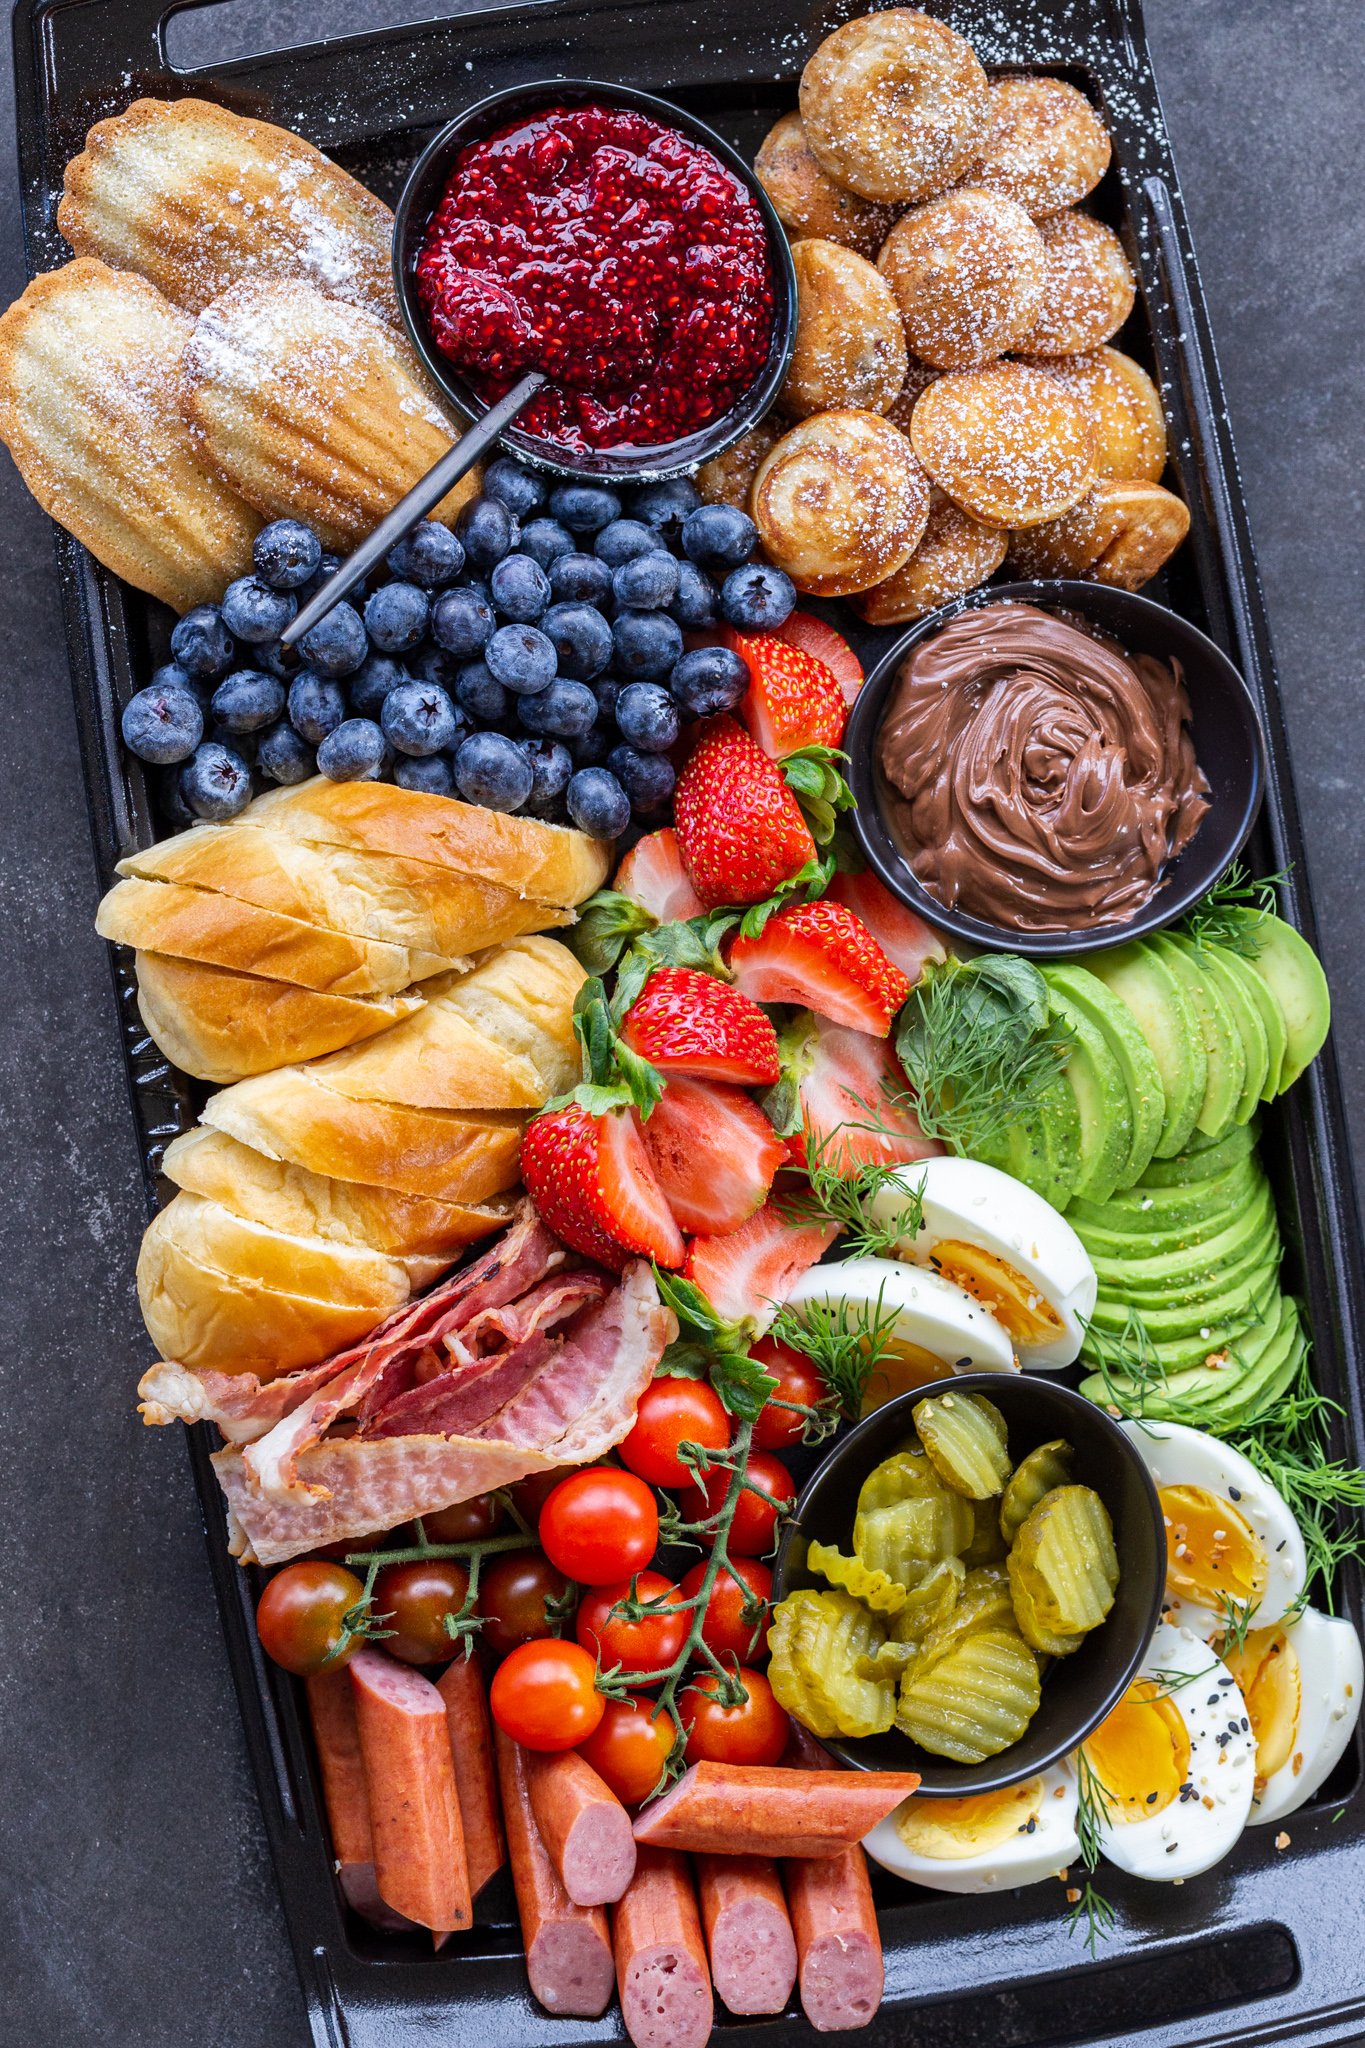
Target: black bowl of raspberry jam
[611, 241]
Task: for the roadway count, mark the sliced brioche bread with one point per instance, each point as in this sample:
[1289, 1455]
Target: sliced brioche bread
[222, 1026]
[522, 997]
[352, 1276]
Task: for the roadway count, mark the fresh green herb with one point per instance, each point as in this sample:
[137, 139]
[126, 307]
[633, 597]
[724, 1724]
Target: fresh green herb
[979, 1048]
[1168, 1681]
[1237, 1619]
[1325, 1495]
[846, 1341]
[1234, 908]
[876, 1206]
[1093, 1813]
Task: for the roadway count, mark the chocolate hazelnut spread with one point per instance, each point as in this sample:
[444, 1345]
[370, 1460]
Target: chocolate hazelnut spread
[1045, 778]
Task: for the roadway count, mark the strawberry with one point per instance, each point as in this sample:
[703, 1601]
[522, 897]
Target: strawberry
[851, 1093]
[748, 1274]
[592, 1183]
[905, 939]
[714, 1154]
[793, 700]
[684, 1022]
[652, 875]
[824, 958]
[804, 630]
[739, 826]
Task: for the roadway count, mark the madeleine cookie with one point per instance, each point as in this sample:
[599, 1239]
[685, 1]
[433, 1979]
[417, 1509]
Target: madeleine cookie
[840, 502]
[893, 105]
[1121, 533]
[1088, 291]
[967, 271]
[809, 203]
[728, 478]
[1006, 443]
[1125, 406]
[1043, 145]
[850, 345]
[956, 553]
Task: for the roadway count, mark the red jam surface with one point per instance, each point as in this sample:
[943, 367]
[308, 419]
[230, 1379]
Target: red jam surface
[618, 256]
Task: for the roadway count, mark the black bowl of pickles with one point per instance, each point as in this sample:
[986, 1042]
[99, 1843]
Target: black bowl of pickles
[968, 1583]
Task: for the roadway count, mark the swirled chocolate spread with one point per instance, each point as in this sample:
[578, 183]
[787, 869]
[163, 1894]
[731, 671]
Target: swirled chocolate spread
[1044, 778]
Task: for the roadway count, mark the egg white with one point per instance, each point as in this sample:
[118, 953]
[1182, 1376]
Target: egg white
[1048, 1845]
[1331, 1676]
[930, 1312]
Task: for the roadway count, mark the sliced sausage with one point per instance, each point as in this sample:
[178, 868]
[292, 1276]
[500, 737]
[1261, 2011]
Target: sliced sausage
[568, 1947]
[661, 1970]
[748, 1932]
[771, 1810]
[837, 1940]
[419, 1853]
[583, 1825]
[331, 1709]
[471, 1746]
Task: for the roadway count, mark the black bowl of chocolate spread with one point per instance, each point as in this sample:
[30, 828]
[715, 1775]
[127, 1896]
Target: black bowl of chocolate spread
[1052, 767]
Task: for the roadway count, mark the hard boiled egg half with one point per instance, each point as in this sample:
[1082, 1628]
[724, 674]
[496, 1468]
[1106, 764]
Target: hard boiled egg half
[926, 1326]
[987, 1842]
[988, 1233]
[1302, 1683]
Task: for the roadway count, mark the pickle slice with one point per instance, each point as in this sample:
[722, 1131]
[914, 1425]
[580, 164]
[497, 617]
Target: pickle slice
[881, 1593]
[987, 1545]
[889, 1662]
[929, 1603]
[965, 1440]
[1063, 1567]
[973, 1701]
[1042, 1470]
[983, 1602]
[906, 1538]
[1047, 1642]
[906, 1475]
[816, 1641]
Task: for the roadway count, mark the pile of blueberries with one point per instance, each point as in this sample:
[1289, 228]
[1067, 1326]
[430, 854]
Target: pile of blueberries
[532, 660]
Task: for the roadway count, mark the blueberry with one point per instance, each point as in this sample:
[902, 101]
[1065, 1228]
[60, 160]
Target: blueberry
[757, 598]
[286, 553]
[492, 770]
[597, 803]
[356, 752]
[647, 644]
[648, 583]
[433, 774]
[327, 567]
[479, 694]
[578, 579]
[591, 748]
[248, 701]
[647, 717]
[522, 658]
[545, 540]
[170, 800]
[253, 612]
[477, 586]
[718, 536]
[429, 555]
[584, 508]
[396, 617]
[582, 639]
[566, 709]
[520, 589]
[419, 718]
[338, 643]
[274, 660]
[283, 756]
[551, 767]
[316, 707]
[708, 680]
[695, 605]
[242, 744]
[172, 675]
[432, 665]
[623, 540]
[202, 644]
[514, 486]
[665, 506]
[607, 691]
[162, 725]
[462, 623]
[487, 531]
[216, 783]
[647, 779]
[372, 682]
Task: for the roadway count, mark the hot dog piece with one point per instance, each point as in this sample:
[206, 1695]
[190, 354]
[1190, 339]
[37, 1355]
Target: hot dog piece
[419, 1853]
[568, 1947]
[583, 1825]
[748, 1932]
[770, 1810]
[331, 1709]
[837, 1940]
[471, 1746]
[661, 1970]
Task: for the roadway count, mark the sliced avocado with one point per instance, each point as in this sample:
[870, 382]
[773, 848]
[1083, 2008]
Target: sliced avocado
[1214, 1321]
[1271, 1015]
[1203, 1160]
[1044, 1149]
[1293, 973]
[1268, 1378]
[1165, 1016]
[1122, 1247]
[1144, 1211]
[1227, 1062]
[1188, 1267]
[1195, 1383]
[1141, 1075]
[1246, 1019]
[1106, 1123]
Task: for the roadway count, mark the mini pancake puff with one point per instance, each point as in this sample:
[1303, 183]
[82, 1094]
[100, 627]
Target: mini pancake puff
[1043, 145]
[840, 503]
[850, 345]
[1125, 406]
[918, 377]
[1088, 291]
[1006, 443]
[893, 105]
[956, 554]
[807, 202]
[968, 272]
[1121, 533]
[727, 479]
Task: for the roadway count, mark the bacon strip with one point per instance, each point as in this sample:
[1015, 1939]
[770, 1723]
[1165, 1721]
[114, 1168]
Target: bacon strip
[237, 1402]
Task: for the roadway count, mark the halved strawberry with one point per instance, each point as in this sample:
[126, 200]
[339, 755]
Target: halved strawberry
[749, 1274]
[738, 824]
[685, 1022]
[905, 939]
[804, 630]
[824, 958]
[793, 700]
[592, 1183]
[714, 1154]
[652, 875]
[852, 1094]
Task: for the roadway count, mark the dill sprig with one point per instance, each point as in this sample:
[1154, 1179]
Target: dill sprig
[1238, 1616]
[979, 1048]
[846, 1341]
[1221, 918]
[851, 1195]
[1093, 1811]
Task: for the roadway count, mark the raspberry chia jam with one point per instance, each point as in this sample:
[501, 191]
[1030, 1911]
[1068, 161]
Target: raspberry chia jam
[618, 256]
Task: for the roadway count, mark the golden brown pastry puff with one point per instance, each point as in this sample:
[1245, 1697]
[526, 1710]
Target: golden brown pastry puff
[956, 553]
[807, 201]
[1088, 291]
[1043, 144]
[893, 105]
[840, 502]
[1121, 533]
[1006, 443]
[728, 478]
[1125, 406]
[967, 271]
[850, 345]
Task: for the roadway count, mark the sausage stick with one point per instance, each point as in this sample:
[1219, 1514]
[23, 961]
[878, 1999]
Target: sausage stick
[332, 1712]
[419, 1854]
[661, 1969]
[471, 1746]
[769, 1810]
[748, 1933]
[837, 1940]
[568, 1947]
[583, 1825]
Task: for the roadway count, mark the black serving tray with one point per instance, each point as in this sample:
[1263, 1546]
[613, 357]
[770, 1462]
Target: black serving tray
[1268, 1946]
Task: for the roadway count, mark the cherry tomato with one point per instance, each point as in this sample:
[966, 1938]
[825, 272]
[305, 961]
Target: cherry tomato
[755, 1732]
[725, 1631]
[530, 1495]
[798, 1379]
[754, 1528]
[671, 1412]
[414, 1600]
[599, 1524]
[299, 1616]
[544, 1696]
[650, 1644]
[513, 1589]
[630, 1746]
[467, 1522]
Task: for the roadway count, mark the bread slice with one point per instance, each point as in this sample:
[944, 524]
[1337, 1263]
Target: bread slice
[437, 1060]
[522, 997]
[352, 1276]
[222, 1026]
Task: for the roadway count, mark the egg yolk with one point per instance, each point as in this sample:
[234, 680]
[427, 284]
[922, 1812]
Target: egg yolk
[1140, 1753]
[1267, 1670]
[1212, 1552]
[950, 1829]
[903, 1367]
[1011, 1297]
